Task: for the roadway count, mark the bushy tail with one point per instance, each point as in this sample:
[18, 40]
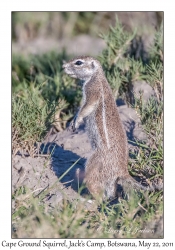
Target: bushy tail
[138, 186]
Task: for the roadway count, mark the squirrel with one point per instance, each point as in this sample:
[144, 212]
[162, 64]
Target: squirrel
[108, 164]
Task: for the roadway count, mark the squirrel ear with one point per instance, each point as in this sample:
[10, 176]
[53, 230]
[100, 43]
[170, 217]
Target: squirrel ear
[93, 66]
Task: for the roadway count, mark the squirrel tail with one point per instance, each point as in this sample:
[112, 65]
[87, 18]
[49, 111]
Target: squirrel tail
[131, 182]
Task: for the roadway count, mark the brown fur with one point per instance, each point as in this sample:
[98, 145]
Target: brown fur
[109, 160]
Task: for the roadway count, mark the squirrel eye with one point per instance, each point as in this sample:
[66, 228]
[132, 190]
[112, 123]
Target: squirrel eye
[78, 63]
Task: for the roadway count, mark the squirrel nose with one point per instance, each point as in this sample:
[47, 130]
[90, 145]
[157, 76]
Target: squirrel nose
[64, 64]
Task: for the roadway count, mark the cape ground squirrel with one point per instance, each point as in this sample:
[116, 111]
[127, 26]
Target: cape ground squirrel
[109, 162]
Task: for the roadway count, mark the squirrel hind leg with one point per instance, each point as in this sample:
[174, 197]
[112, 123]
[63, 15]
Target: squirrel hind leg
[93, 179]
[110, 190]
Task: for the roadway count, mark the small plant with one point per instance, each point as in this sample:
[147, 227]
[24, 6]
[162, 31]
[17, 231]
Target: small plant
[32, 118]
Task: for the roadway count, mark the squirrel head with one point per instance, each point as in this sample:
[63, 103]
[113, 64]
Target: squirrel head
[83, 67]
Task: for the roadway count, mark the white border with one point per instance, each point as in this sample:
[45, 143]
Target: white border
[5, 93]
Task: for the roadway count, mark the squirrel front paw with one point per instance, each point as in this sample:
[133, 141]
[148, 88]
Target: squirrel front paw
[73, 124]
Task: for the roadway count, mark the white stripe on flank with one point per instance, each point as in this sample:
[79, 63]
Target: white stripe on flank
[84, 94]
[104, 119]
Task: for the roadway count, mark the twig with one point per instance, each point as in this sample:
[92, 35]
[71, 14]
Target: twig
[41, 191]
[142, 207]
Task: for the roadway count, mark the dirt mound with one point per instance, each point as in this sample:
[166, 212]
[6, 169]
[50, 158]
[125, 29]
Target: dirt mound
[58, 153]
